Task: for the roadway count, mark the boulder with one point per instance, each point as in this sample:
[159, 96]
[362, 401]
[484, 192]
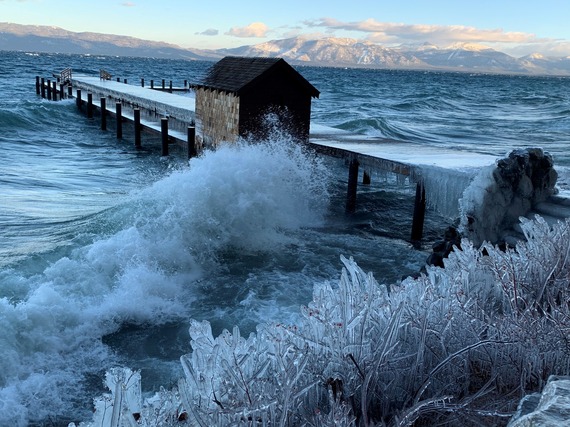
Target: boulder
[549, 409]
[498, 197]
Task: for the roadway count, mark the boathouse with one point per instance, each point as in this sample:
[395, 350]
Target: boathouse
[242, 97]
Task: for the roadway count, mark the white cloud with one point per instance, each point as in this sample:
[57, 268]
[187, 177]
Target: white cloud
[438, 34]
[255, 29]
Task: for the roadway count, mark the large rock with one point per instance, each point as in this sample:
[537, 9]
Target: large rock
[499, 196]
[549, 409]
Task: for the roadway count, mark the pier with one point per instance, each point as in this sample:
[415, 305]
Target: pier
[171, 112]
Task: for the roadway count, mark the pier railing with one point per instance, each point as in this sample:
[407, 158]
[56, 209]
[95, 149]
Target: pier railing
[64, 77]
[104, 75]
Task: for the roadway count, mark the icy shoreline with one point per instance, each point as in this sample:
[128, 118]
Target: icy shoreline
[454, 345]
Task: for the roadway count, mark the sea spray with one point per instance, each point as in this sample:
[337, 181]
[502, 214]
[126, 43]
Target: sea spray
[246, 197]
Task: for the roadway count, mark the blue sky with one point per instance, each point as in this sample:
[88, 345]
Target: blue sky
[517, 27]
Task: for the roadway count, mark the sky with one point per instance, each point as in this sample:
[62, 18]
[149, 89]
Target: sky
[517, 27]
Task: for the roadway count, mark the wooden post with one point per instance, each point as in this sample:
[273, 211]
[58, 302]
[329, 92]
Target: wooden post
[163, 86]
[49, 89]
[61, 92]
[419, 212]
[164, 133]
[43, 87]
[142, 82]
[103, 113]
[137, 114]
[119, 117]
[366, 178]
[37, 85]
[125, 81]
[170, 86]
[78, 99]
[185, 83]
[54, 90]
[69, 91]
[352, 184]
[191, 142]
[119, 79]
[89, 105]
[152, 84]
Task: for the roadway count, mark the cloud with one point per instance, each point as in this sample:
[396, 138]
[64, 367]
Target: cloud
[255, 29]
[387, 32]
[128, 4]
[208, 32]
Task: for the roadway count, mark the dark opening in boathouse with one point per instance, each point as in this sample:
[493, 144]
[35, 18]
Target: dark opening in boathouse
[238, 95]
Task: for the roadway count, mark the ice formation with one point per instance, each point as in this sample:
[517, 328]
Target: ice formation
[501, 194]
[456, 346]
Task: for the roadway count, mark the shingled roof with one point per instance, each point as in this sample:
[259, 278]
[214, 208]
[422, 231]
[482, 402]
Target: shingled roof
[235, 74]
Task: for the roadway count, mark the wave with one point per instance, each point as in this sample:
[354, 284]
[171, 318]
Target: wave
[245, 197]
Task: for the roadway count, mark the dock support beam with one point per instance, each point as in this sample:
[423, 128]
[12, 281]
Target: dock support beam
[103, 113]
[43, 87]
[49, 89]
[137, 117]
[352, 185]
[419, 212]
[89, 105]
[37, 85]
[70, 91]
[366, 178]
[164, 133]
[191, 142]
[119, 117]
[61, 92]
[78, 99]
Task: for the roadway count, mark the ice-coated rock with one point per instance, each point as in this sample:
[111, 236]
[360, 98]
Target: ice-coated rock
[498, 197]
[549, 409]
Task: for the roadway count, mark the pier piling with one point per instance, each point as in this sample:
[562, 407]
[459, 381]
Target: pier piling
[90, 105]
[164, 134]
[78, 99]
[142, 82]
[43, 87]
[352, 185]
[70, 91]
[419, 212]
[61, 91]
[37, 85]
[137, 120]
[191, 142]
[54, 90]
[119, 117]
[366, 178]
[49, 90]
[103, 102]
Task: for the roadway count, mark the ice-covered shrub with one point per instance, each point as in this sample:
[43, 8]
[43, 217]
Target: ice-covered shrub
[456, 346]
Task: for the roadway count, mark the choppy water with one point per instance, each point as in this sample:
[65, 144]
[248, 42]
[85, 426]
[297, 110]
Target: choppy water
[106, 252]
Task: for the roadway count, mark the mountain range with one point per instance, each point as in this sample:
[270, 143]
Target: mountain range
[337, 52]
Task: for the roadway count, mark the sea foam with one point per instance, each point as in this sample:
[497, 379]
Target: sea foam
[241, 197]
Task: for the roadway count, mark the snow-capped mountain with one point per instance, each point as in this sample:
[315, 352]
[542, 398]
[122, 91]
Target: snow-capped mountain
[339, 51]
[333, 52]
